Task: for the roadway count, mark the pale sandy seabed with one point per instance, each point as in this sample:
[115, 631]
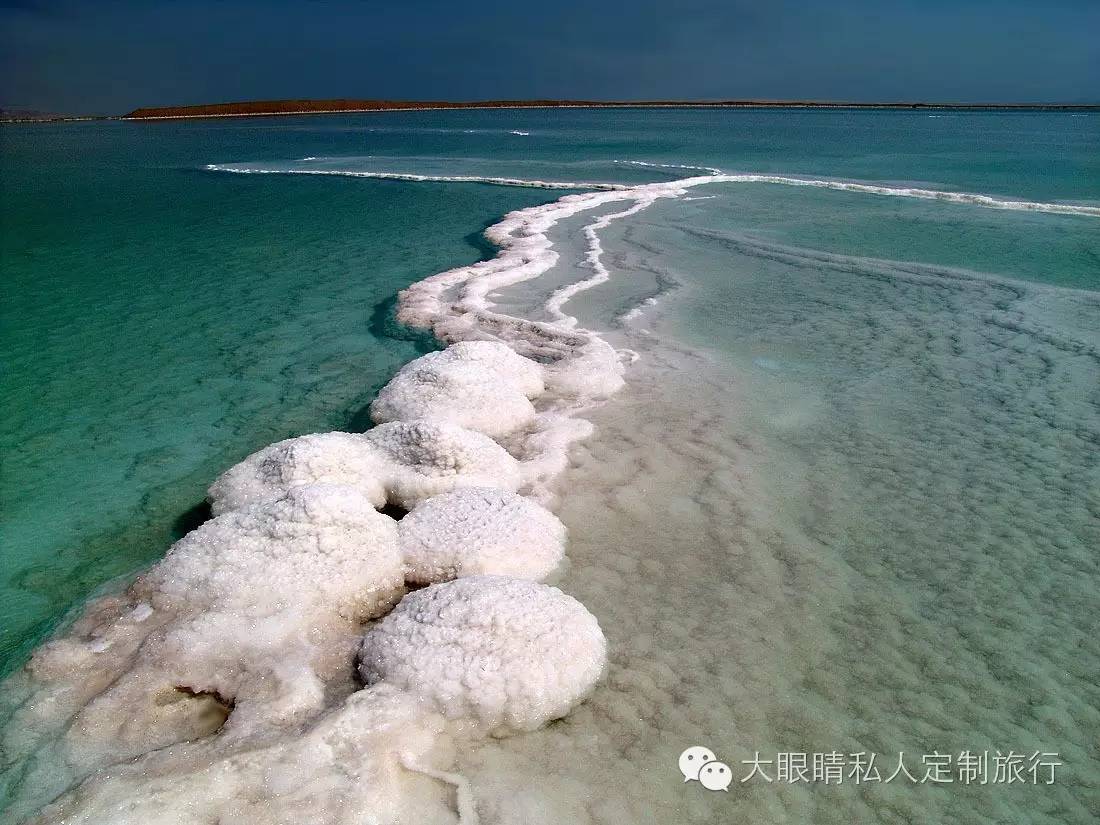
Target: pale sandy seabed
[736, 624]
[880, 538]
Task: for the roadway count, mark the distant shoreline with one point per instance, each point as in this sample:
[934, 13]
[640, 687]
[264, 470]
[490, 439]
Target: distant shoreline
[275, 108]
[58, 119]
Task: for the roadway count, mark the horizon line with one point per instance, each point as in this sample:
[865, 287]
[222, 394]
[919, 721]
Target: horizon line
[307, 106]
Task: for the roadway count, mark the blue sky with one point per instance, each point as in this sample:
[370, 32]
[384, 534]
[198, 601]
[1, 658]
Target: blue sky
[114, 55]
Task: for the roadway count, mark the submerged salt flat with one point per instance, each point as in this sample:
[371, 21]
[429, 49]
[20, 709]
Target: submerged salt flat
[858, 515]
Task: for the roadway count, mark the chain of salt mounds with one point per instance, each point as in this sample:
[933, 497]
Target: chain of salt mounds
[218, 683]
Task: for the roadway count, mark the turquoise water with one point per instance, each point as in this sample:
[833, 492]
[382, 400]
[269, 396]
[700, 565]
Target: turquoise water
[916, 382]
[160, 322]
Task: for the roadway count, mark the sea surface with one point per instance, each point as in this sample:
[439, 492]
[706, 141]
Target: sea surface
[848, 502]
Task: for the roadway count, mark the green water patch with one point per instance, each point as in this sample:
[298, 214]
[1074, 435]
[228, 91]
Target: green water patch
[161, 322]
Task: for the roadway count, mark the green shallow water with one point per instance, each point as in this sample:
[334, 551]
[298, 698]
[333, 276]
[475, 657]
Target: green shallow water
[161, 322]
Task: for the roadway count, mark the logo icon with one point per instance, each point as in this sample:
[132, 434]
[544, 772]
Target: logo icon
[700, 764]
[716, 776]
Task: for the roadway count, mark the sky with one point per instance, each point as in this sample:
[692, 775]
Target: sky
[111, 56]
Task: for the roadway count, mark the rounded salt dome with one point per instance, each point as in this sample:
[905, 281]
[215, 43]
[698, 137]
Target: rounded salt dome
[319, 548]
[509, 654]
[480, 385]
[479, 530]
[457, 392]
[423, 459]
[500, 359]
[333, 458]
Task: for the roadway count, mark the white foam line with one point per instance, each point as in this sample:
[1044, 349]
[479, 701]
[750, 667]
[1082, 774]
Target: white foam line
[711, 169]
[713, 176]
[970, 198]
[525, 251]
[532, 184]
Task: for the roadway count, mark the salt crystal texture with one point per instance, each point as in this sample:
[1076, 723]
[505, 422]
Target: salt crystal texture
[481, 385]
[479, 530]
[507, 654]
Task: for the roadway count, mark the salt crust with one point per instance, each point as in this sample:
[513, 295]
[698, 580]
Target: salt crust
[245, 623]
[481, 385]
[397, 463]
[507, 653]
[479, 530]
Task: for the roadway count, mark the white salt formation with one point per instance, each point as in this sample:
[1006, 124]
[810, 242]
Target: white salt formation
[265, 599]
[479, 530]
[337, 458]
[246, 623]
[423, 459]
[374, 758]
[398, 463]
[496, 358]
[508, 654]
[481, 385]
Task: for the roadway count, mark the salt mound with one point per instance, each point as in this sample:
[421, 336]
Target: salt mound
[592, 370]
[476, 531]
[507, 653]
[500, 359]
[462, 394]
[400, 463]
[369, 759]
[481, 385]
[251, 617]
[424, 459]
[337, 458]
[322, 545]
